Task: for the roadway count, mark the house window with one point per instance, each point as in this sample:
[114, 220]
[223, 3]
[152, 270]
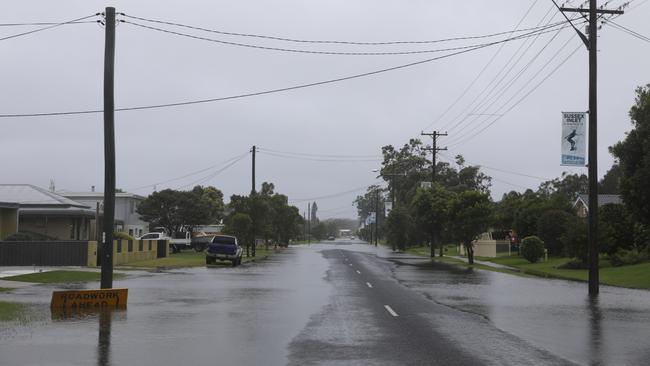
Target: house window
[130, 232]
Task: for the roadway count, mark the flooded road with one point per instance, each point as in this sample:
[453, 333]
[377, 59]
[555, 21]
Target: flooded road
[337, 303]
[556, 315]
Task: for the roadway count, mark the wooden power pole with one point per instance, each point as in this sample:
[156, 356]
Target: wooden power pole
[109, 151]
[434, 151]
[591, 43]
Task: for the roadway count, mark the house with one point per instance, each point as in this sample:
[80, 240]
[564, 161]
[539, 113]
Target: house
[8, 219]
[126, 217]
[47, 213]
[581, 205]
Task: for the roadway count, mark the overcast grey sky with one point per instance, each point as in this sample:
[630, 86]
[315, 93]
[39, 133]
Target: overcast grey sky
[61, 69]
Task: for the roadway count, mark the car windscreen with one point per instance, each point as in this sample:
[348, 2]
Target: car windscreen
[224, 240]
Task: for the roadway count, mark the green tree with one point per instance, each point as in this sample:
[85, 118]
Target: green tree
[160, 209]
[430, 210]
[615, 229]
[551, 226]
[240, 225]
[399, 224]
[611, 182]
[633, 154]
[470, 216]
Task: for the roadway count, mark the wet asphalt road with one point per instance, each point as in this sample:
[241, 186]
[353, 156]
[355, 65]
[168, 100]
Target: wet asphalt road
[338, 303]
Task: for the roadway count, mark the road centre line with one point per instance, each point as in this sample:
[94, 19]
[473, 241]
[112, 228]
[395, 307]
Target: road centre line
[350, 264]
[358, 272]
[391, 311]
[368, 284]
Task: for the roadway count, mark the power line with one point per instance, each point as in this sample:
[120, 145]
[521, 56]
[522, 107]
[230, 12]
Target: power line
[521, 99]
[628, 31]
[485, 89]
[500, 93]
[189, 174]
[272, 91]
[478, 76]
[323, 160]
[211, 176]
[48, 27]
[45, 23]
[487, 92]
[499, 169]
[274, 38]
[317, 155]
[333, 195]
[293, 50]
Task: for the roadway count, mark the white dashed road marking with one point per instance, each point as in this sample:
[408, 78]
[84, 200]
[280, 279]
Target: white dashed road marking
[391, 311]
[358, 272]
[368, 284]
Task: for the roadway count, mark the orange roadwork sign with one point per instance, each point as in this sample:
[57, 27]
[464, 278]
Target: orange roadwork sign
[90, 299]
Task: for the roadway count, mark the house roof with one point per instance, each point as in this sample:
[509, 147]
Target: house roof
[603, 199]
[8, 205]
[97, 195]
[33, 200]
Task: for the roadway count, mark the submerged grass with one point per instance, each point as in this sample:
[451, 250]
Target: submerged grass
[60, 277]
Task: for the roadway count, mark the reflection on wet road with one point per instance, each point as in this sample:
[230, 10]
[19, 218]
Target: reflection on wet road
[338, 304]
[556, 315]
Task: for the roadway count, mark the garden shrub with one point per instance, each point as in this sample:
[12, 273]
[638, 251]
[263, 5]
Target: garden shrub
[624, 257]
[120, 235]
[532, 248]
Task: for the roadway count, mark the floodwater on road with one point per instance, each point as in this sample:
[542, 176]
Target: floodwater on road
[555, 315]
[200, 316]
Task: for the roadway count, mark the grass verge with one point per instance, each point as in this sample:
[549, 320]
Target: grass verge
[60, 277]
[633, 276]
[5, 289]
[11, 310]
[191, 258]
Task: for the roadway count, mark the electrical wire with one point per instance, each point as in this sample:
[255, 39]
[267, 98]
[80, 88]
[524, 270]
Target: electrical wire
[489, 88]
[189, 174]
[293, 50]
[498, 169]
[48, 27]
[211, 176]
[521, 99]
[274, 38]
[333, 195]
[478, 76]
[316, 155]
[272, 91]
[323, 160]
[45, 23]
[628, 31]
[496, 97]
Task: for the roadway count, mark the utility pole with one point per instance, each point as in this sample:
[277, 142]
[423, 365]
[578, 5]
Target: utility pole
[109, 151]
[253, 171]
[309, 223]
[376, 215]
[253, 197]
[434, 151]
[591, 43]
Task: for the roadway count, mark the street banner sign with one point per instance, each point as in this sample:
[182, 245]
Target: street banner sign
[90, 299]
[389, 206]
[371, 219]
[574, 138]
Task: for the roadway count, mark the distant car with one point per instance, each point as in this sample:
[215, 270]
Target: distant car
[331, 238]
[224, 248]
[352, 238]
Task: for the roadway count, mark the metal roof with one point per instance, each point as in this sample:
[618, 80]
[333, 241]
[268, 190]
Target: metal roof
[27, 195]
[97, 195]
[603, 199]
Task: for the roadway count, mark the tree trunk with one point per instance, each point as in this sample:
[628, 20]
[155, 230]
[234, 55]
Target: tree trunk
[470, 255]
